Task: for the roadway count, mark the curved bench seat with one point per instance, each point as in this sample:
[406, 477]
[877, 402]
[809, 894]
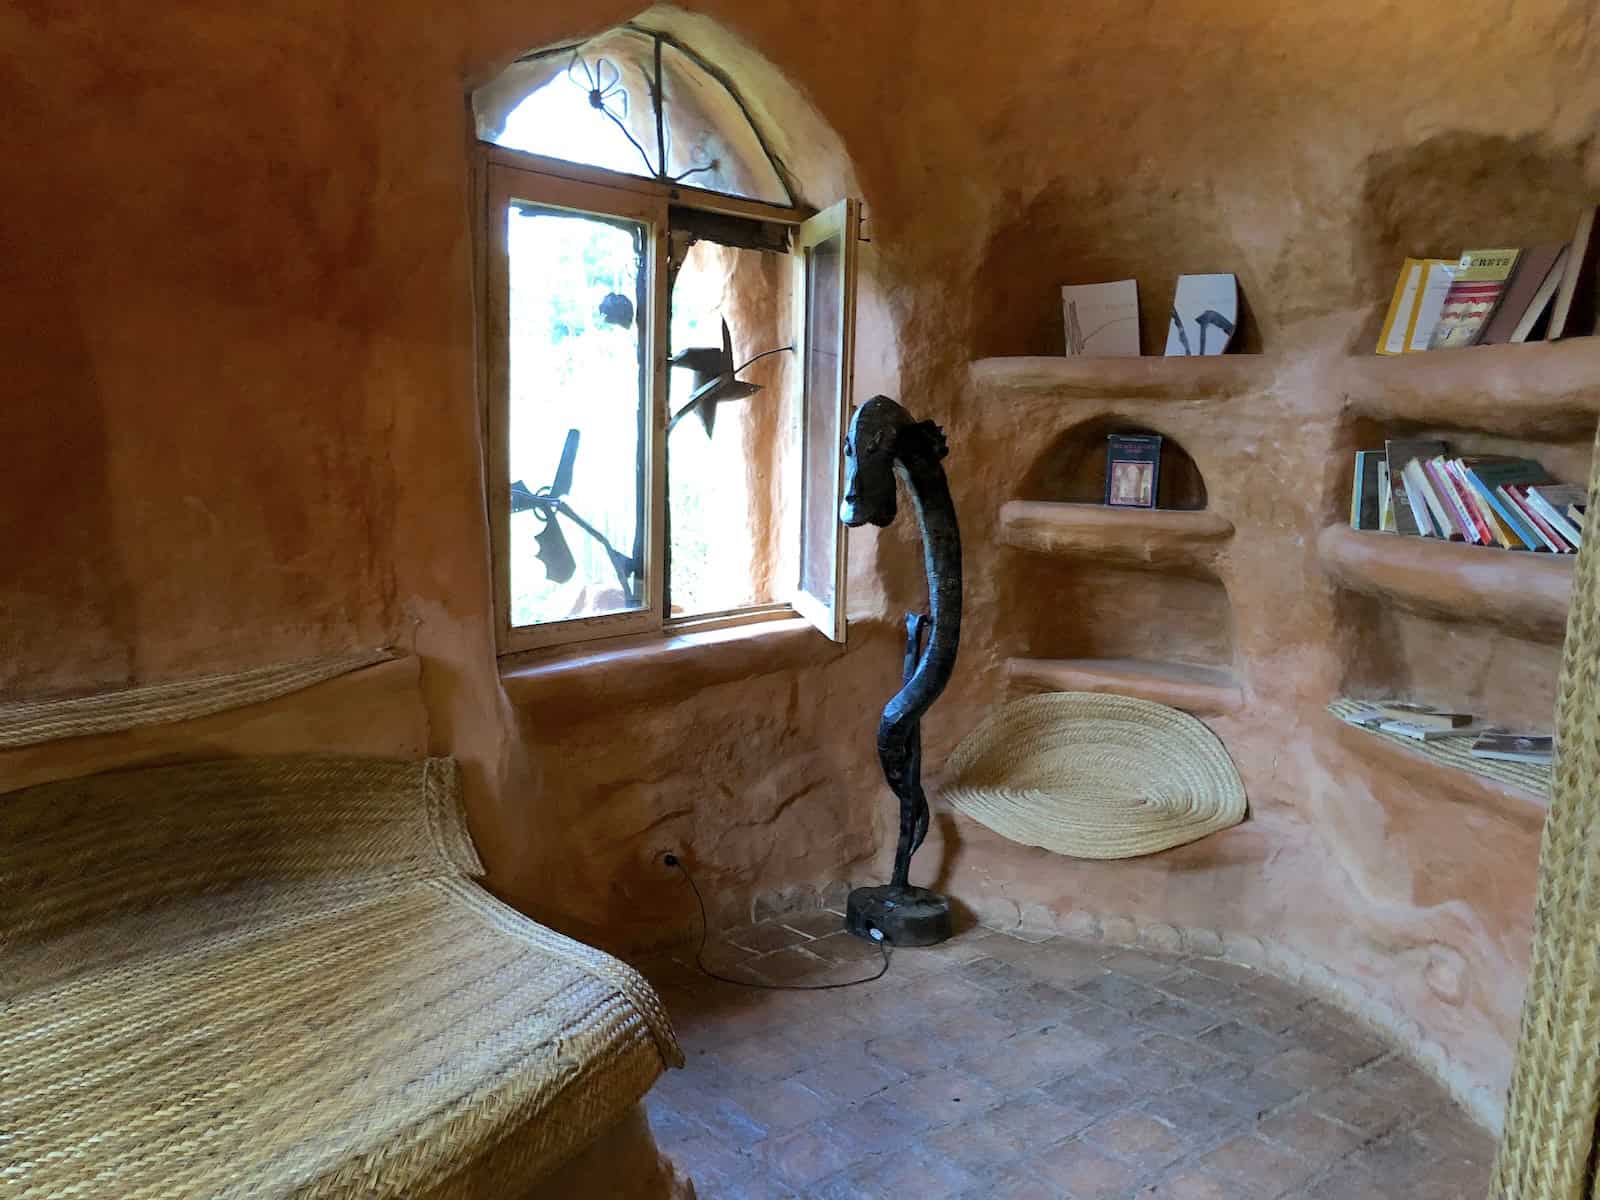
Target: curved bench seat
[274, 977]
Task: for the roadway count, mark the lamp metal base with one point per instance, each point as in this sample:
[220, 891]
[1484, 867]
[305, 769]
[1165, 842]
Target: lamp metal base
[906, 916]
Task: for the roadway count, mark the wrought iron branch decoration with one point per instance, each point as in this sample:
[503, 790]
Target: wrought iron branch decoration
[716, 379]
[601, 81]
[554, 552]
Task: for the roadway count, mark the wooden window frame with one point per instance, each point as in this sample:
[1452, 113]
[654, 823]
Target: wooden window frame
[558, 183]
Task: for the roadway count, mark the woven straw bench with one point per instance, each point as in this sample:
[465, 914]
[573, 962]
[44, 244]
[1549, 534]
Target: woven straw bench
[274, 977]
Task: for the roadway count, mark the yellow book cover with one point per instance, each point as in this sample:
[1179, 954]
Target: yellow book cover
[1402, 305]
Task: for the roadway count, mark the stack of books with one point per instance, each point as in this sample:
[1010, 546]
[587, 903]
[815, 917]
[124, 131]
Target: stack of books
[1416, 487]
[1425, 723]
[1487, 297]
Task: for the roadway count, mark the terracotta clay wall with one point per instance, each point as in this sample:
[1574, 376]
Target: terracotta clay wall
[243, 425]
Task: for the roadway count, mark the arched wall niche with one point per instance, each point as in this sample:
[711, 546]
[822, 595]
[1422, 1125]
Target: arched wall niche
[1073, 467]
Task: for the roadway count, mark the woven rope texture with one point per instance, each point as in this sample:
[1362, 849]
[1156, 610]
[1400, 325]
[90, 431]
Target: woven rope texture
[1095, 776]
[28, 723]
[271, 978]
[1549, 1137]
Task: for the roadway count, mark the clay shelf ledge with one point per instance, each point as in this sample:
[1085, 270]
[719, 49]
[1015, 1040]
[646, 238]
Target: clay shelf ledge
[1202, 691]
[1155, 539]
[1517, 591]
[1537, 389]
[1423, 762]
[1144, 378]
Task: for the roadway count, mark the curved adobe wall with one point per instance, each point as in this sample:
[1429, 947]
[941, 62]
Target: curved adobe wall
[244, 429]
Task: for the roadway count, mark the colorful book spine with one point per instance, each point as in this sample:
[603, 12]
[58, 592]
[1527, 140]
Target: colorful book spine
[1416, 487]
[1485, 515]
[1551, 538]
[1556, 520]
[1513, 521]
[1440, 503]
[1472, 529]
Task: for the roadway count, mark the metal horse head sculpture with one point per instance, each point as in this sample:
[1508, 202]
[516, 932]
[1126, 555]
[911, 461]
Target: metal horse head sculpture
[886, 443]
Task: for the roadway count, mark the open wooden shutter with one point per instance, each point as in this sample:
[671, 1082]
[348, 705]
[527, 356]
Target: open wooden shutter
[826, 246]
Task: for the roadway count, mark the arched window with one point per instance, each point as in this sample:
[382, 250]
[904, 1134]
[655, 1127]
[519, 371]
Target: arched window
[635, 101]
[667, 340]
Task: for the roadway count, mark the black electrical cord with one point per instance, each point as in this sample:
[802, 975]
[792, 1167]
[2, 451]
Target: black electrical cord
[672, 860]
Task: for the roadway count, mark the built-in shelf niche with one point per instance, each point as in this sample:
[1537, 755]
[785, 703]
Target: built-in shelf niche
[1073, 469]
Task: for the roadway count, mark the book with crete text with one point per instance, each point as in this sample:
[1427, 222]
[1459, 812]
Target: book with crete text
[1534, 269]
[1480, 281]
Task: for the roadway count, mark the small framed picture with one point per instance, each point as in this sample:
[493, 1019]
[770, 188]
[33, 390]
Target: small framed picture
[1133, 470]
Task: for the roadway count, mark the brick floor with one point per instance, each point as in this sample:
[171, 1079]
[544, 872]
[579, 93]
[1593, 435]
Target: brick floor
[997, 1066]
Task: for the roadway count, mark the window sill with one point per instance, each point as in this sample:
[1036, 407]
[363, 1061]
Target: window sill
[577, 682]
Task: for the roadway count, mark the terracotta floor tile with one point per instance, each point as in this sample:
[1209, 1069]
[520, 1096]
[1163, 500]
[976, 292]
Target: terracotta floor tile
[1084, 1172]
[1338, 1041]
[799, 965]
[993, 973]
[804, 1156]
[917, 1172]
[1092, 1091]
[1191, 985]
[981, 1143]
[849, 1077]
[1305, 1069]
[1147, 968]
[1192, 1185]
[1371, 1113]
[1137, 1138]
[759, 1057]
[1035, 1006]
[762, 938]
[1171, 1015]
[914, 1051]
[1036, 1121]
[1243, 1042]
[944, 1097]
[1251, 1090]
[1257, 1165]
[1001, 1066]
[1198, 1115]
[816, 923]
[1031, 1058]
[1318, 1140]
[1118, 993]
[847, 948]
[1016, 1183]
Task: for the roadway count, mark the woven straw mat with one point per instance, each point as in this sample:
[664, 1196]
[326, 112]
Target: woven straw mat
[1095, 776]
[273, 978]
[25, 723]
[1548, 1147]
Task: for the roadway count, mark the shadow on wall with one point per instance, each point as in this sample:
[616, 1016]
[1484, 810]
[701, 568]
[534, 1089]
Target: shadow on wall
[1071, 234]
[1456, 191]
[55, 429]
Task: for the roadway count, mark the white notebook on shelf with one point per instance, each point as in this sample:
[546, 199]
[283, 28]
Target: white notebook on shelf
[1102, 319]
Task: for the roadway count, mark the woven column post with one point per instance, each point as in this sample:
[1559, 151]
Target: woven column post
[1555, 1088]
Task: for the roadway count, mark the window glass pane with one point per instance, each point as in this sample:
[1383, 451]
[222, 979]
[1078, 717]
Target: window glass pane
[575, 434]
[727, 509]
[711, 143]
[820, 448]
[554, 115]
[593, 104]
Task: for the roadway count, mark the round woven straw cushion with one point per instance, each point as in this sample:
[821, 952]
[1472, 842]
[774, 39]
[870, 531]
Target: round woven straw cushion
[1095, 776]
